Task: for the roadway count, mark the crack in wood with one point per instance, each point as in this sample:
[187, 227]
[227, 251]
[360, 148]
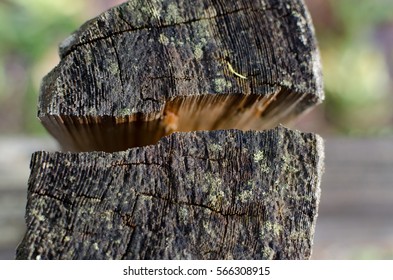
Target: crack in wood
[149, 27]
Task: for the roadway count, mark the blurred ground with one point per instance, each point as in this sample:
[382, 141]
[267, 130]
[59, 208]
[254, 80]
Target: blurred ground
[356, 209]
[15, 156]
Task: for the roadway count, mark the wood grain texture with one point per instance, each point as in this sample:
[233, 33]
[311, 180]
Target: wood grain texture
[198, 195]
[211, 64]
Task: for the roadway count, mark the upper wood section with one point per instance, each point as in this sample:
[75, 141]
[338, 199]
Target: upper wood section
[240, 64]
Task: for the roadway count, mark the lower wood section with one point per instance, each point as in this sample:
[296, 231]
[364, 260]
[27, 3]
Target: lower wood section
[198, 195]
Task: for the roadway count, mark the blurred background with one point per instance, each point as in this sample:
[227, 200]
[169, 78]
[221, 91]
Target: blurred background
[356, 120]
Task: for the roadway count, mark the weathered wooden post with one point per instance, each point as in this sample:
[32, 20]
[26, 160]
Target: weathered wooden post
[232, 184]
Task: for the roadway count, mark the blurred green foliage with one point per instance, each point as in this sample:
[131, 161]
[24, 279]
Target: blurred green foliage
[357, 83]
[28, 31]
[358, 16]
[30, 27]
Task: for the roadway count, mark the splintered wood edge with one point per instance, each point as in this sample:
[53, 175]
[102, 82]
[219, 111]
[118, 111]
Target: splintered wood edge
[125, 205]
[98, 98]
[183, 114]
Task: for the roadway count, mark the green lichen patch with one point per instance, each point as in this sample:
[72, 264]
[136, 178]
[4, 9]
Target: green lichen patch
[114, 68]
[198, 52]
[163, 39]
[124, 112]
[221, 85]
[215, 148]
[260, 158]
[173, 14]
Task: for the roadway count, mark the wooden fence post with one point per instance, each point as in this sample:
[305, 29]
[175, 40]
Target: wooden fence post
[231, 184]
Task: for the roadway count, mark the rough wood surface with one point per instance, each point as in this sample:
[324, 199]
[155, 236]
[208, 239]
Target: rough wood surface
[147, 68]
[198, 195]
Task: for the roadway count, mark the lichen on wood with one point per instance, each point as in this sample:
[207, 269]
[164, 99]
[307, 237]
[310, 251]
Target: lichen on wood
[214, 64]
[198, 195]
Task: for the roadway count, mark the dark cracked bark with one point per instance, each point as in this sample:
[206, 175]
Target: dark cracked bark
[197, 195]
[147, 68]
